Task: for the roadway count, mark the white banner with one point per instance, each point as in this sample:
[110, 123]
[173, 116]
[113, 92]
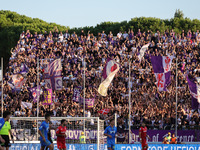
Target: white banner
[26, 105]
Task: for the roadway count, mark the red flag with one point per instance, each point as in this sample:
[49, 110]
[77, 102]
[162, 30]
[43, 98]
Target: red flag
[104, 111]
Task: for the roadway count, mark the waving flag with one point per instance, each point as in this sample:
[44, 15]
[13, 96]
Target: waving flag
[195, 92]
[104, 111]
[53, 76]
[33, 94]
[109, 71]
[17, 81]
[24, 69]
[26, 105]
[89, 102]
[161, 66]
[142, 51]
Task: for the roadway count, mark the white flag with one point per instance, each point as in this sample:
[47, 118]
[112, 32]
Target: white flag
[142, 51]
[26, 105]
[109, 71]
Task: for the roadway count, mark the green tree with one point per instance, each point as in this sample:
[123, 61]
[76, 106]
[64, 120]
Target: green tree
[12, 25]
[178, 14]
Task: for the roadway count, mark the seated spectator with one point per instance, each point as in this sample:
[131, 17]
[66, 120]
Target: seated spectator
[169, 137]
[173, 139]
[165, 141]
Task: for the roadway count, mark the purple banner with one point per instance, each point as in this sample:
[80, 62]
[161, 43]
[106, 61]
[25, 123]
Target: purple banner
[33, 93]
[155, 135]
[89, 102]
[158, 135]
[52, 74]
[76, 94]
[24, 69]
[47, 97]
[162, 66]
[193, 92]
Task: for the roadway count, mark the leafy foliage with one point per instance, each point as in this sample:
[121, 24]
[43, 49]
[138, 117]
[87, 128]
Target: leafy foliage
[12, 25]
[178, 14]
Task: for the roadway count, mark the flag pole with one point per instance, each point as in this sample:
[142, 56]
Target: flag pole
[37, 94]
[129, 99]
[176, 97]
[84, 94]
[2, 86]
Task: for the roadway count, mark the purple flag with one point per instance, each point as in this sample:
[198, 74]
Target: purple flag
[33, 94]
[24, 69]
[161, 66]
[76, 94]
[89, 102]
[105, 74]
[52, 74]
[47, 97]
[193, 91]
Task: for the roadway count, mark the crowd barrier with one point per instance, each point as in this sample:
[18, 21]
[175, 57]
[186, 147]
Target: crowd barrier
[36, 146]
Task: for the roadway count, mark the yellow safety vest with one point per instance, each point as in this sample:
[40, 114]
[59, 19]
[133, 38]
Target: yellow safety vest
[82, 139]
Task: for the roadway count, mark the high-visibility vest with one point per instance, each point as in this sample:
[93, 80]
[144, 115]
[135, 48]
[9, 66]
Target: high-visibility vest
[82, 139]
[169, 138]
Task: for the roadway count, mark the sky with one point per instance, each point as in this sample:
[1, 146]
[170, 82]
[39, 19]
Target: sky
[81, 13]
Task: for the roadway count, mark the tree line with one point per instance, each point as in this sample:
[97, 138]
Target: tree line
[12, 24]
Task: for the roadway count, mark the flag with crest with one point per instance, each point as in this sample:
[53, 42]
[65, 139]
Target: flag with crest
[53, 74]
[194, 91]
[109, 71]
[162, 71]
[34, 94]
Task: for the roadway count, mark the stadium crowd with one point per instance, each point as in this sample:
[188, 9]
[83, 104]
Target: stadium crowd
[156, 108]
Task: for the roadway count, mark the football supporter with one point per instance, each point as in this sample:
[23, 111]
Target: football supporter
[173, 139]
[147, 102]
[165, 141]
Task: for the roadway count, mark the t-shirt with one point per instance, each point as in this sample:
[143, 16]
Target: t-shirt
[143, 131]
[5, 129]
[61, 130]
[2, 122]
[173, 140]
[44, 128]
[111, 131]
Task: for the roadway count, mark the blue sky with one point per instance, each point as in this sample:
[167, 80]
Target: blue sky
[80, 13]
